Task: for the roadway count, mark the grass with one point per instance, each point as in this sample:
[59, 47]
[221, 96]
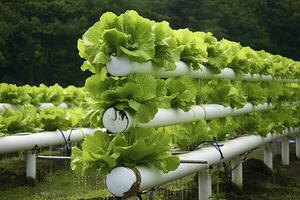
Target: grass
[60, 185]
[55, 180]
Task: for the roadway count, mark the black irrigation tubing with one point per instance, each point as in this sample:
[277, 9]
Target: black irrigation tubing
[217, 146]
[139, 196]
[67, 142]
[213, 142]
[242, 160]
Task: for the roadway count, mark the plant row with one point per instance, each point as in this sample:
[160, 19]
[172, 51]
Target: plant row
[22, 95]
[142, 40]
[142, 95]
[29, 119]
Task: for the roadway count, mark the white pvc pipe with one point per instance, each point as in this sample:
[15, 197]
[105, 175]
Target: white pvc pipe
[124, 184]
[31, 164]
[40, 107]
[122, 66]
[7, 105]
[115, 122]
[237, 171]
[298, 146]
[43, 106]
[204, 185]
[27, 141]
[151, 177]
[268, 155]
[285, 151]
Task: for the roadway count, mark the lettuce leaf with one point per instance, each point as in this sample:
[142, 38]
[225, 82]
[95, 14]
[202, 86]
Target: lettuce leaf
[102, 152]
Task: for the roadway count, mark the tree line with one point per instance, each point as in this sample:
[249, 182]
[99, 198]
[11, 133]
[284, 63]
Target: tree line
[38, 38]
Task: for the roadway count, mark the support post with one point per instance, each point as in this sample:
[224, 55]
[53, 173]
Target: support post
[31, 164]
[285, 154]
[204, 185]
[237, 171]
[298, 145]
[268, 155]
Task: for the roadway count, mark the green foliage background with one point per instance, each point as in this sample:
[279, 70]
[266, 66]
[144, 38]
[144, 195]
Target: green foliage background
[38, 38]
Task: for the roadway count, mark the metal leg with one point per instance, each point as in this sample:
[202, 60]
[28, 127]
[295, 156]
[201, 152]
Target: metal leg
[204, 185]
[237, 171]
[285, 151]
[31, 164]
[268, 155]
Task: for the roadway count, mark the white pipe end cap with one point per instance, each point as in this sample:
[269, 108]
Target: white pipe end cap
[120, 180]
[116, 121]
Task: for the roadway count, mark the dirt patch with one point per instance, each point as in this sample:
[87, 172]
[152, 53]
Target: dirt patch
[261, 183]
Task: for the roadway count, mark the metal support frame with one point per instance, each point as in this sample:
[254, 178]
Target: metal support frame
[268, 155]
[285, 153]
[237, 171]
[32, 157]
[204, 185]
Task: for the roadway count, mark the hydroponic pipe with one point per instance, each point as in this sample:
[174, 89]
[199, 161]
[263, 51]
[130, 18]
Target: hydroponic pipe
[7, 105]
[43, 106]
[123, 181]
[119, 121]
[27, 141]
[40, 107]
[122, 66]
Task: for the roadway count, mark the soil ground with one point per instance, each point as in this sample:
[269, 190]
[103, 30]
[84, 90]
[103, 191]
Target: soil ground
[260, 183]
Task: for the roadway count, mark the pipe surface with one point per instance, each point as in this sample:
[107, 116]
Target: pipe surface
[7, 105]
[115, 122]
[285, 151]
[43, 106]
[298, 146]
[27, 141]
[204, 185]
[237, 171]
[31, 164]
[40, 107]
[268, 155]
[151, 177]
[122, 66]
